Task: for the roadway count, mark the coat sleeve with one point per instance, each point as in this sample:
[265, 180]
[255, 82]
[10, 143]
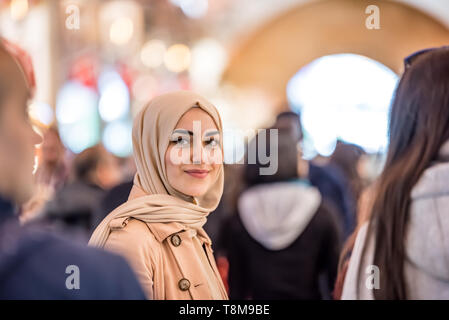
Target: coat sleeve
[133, 242]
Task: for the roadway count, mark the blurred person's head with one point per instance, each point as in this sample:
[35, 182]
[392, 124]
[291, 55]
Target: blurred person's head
[52, 148]
[96, 166]
[419, 125]
[17, 137]
[287, 158]
[290, 120]
[346, 157]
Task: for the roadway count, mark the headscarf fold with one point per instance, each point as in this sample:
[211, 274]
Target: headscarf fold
[152, 198]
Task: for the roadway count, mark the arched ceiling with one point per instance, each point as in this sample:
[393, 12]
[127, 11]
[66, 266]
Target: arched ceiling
[273, 53]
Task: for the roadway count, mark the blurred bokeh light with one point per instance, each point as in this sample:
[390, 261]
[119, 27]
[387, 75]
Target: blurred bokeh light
[344, 96]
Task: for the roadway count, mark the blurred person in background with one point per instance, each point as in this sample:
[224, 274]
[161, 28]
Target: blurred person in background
[179, 181]
[346, 158]
[51, 174]
[328, 180]
[118, 194]
[52, 170]
[284, 236]
[54, 173]
[217, 226]
[33, 263]
[406, 236]
[74, 207]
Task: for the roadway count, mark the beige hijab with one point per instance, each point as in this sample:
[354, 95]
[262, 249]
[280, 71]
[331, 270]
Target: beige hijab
[152, 198]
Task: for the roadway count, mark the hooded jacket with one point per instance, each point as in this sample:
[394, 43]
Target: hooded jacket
[426, 266]
[282, 239]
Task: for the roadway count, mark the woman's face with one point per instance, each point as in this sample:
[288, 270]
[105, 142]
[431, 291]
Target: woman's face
[194, 156]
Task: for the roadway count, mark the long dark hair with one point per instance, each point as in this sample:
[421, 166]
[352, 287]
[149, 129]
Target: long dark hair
[419, 125]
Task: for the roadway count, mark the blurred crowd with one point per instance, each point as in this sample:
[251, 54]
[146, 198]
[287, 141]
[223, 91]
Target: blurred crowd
[303, 228]
[75, 192]
[295, 234]
[293, 222]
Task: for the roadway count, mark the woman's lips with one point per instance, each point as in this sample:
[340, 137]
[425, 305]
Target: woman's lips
[201, 174]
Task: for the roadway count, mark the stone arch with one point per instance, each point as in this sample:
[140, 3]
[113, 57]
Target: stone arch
[268, 58]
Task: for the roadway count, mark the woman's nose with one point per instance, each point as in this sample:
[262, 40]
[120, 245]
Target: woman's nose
[198, 154]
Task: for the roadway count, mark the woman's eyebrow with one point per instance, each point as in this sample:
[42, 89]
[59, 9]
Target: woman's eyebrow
[211, 133]
[183, 131]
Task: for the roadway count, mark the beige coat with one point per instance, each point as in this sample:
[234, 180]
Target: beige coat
[164, 260]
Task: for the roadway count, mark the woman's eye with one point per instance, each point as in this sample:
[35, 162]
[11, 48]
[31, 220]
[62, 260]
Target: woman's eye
[212, 143]
[182, 142]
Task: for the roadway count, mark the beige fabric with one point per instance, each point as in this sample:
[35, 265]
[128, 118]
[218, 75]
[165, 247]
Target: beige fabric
[206, 267]
[159, 265]
[154, 202]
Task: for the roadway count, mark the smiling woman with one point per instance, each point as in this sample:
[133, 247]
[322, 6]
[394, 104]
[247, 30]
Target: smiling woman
[193, 158]
[178, 183]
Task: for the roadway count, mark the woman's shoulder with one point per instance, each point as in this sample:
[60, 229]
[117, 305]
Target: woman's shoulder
[129, 233]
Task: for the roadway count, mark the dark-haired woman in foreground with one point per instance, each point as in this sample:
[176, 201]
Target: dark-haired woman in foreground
[408, 230]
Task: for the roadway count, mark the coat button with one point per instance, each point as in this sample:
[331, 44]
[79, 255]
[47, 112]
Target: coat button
[175, 240]
[184, 284]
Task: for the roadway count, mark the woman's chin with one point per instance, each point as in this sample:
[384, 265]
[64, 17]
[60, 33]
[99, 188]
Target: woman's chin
[195, 191]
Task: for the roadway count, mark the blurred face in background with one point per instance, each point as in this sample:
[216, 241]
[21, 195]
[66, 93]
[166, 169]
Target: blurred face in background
[17, 137]
[192, 162]
[290, 123]
[97, 166]
[52, 148]
[108, 171]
